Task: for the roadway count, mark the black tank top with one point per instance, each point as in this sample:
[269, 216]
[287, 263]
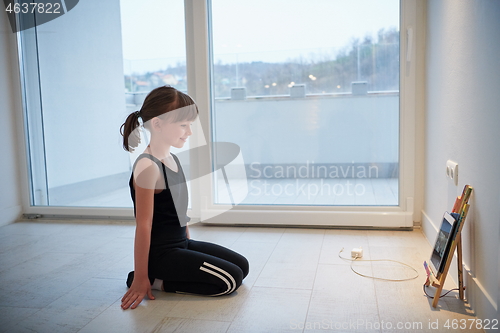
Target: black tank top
[170, 205]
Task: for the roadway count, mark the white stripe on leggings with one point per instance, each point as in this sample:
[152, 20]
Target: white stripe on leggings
[229, 287]
[224, 272]
[219, 276]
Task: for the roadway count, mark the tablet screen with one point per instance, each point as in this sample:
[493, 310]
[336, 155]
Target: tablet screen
[442, 245]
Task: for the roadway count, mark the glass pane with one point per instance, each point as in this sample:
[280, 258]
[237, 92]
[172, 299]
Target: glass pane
[154, 54]
[310, 93]
[91, 76]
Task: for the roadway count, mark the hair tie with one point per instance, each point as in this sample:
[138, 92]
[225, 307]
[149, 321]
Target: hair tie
[138, 114]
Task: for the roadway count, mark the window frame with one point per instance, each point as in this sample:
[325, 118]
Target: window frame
[401, 216]
[198, 53]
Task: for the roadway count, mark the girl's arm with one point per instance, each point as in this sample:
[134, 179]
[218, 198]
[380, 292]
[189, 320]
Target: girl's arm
[187, 232]
[144, 199]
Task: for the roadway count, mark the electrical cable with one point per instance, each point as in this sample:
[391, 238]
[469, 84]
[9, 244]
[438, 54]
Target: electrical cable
[443, 295]
[379, 278]
[398, 280]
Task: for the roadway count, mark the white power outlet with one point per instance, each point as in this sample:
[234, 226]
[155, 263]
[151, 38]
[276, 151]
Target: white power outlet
[452, 171]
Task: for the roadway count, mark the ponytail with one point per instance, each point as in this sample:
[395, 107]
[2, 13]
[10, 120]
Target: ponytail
[159, 101]
[131, 137]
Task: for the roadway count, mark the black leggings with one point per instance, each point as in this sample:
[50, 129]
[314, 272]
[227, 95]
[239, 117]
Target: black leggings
[198, 267]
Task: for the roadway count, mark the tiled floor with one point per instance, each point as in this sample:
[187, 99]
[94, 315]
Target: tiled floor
[57, 277]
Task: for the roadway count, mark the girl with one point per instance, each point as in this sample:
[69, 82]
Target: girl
[165, 257]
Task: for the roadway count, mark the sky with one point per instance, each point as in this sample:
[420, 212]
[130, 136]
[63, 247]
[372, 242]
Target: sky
[258, 30]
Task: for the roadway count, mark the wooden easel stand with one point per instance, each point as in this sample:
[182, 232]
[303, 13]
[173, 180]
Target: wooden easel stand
[439, 282]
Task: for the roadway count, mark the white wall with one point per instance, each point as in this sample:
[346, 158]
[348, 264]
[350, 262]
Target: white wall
[463, 124]
[10, 108]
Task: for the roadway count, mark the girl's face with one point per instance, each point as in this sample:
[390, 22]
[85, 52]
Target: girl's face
[176, 134]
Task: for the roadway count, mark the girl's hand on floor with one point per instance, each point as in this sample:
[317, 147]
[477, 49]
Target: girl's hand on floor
[136, 293]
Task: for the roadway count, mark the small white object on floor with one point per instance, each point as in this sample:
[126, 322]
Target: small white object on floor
[357, 253]
[157, 284]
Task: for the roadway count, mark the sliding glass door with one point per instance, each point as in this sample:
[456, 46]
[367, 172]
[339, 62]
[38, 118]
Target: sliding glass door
[307, 108]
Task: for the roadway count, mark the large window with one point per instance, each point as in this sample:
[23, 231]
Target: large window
[312, 94]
